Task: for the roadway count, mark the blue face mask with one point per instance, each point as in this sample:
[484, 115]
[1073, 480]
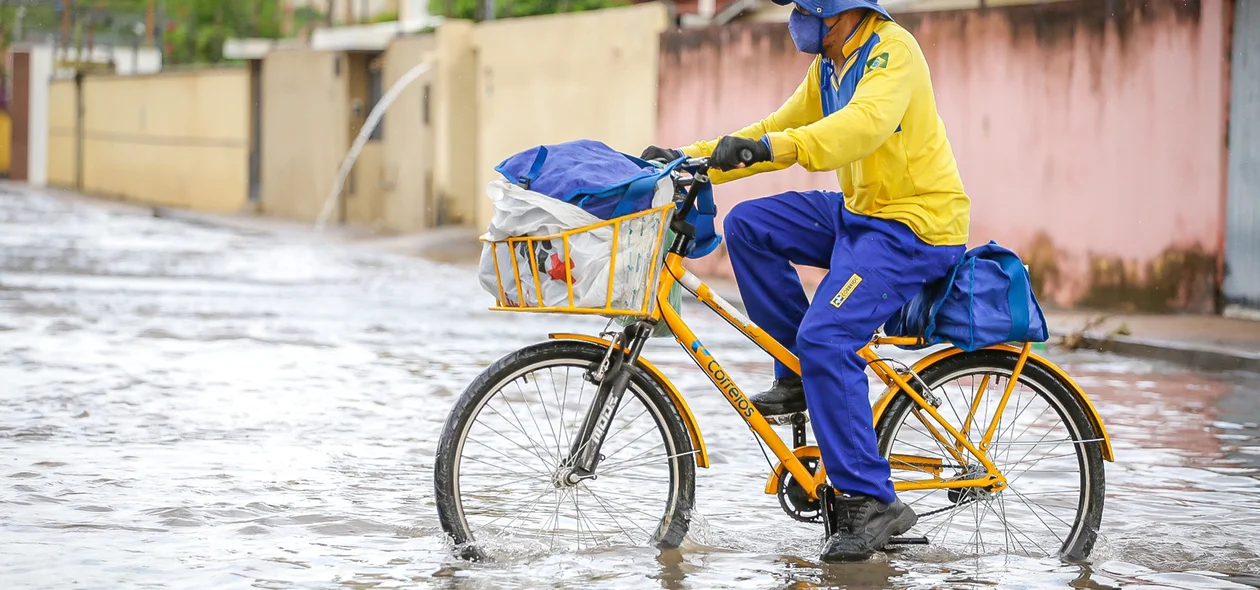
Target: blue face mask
[807, 32]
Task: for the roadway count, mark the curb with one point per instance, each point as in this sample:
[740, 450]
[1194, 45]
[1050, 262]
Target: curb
[1204, 358]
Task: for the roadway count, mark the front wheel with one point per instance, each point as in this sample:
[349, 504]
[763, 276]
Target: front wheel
[502, 455]
[1043, 443]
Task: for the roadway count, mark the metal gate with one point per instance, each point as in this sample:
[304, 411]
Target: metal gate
[1242, 219]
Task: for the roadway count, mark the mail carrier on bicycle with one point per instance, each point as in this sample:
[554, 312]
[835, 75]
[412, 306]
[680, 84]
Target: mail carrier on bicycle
[865, 110]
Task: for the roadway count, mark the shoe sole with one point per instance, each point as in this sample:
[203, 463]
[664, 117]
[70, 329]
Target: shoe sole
[768, 410]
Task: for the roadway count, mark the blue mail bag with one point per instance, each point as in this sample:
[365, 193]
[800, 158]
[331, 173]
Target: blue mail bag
[985, 300]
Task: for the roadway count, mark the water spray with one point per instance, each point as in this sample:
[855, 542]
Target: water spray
[369, 125]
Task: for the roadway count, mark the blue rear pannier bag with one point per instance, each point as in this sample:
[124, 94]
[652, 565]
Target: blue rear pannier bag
[605, 183]
[986, 299]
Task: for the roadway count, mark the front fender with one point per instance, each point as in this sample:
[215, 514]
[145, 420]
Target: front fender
[697, 441]
[1090, 411]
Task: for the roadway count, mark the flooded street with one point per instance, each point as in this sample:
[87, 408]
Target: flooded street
[195, 407]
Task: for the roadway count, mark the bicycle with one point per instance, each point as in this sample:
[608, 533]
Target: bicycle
[967, 459]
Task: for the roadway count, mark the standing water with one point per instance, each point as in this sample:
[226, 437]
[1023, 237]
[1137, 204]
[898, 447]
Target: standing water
[193, 407]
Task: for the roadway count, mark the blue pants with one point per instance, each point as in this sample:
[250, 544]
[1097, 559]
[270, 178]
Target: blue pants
[875, 266]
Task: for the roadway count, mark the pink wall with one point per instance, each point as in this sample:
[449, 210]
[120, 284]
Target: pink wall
[1092, 144]
[715, 81]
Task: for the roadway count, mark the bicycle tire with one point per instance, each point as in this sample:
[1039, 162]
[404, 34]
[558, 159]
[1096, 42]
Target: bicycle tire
[674, 523]
[1079, 542]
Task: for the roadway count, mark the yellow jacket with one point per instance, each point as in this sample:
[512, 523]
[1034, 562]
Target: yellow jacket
[875, 123]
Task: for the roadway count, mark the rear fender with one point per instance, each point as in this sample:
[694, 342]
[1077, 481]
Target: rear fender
[697, 441]
[1090, 411]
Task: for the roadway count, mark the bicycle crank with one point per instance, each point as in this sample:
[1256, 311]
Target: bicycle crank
[793, 498]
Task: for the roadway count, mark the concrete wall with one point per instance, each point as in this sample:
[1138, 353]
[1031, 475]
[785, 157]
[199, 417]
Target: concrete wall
[547, 79]
[1090, 135]
[349, 11]
[41, 65]
[63, 145]
[305, 130]
[406, 163]
[456, 190]
[363, 193]
[314, 108]
[176, 139]
[123, 60]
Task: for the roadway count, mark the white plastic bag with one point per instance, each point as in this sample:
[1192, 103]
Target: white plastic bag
[519, 212]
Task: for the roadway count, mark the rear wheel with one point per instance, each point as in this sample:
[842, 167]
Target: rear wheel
[509, 435]
[1044, 444]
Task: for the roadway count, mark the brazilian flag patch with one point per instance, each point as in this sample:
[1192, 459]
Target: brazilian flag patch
[877, 62]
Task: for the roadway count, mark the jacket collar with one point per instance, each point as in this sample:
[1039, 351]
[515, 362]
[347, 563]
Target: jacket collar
[861, 34]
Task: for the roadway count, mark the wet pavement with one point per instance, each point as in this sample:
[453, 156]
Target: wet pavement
[194, 407]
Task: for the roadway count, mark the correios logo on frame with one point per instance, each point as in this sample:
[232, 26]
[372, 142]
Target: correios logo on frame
[721, 379]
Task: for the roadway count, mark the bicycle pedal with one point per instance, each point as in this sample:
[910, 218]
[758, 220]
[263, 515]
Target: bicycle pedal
[787, 419]
[907, 541]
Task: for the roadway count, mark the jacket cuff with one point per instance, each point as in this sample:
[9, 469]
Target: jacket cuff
[782, 148]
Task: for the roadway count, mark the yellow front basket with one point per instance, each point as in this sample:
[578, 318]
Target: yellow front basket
[610, 268]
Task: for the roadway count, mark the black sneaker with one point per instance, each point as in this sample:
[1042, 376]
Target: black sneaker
[786, 396]
[864, 525]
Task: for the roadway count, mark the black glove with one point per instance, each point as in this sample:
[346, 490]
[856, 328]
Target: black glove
[732, 151]
[662, 155]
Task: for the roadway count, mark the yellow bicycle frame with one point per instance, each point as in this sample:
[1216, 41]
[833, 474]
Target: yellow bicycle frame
[959, 447]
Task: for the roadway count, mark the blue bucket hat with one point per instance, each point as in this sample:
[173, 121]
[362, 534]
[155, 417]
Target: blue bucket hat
[830, 8]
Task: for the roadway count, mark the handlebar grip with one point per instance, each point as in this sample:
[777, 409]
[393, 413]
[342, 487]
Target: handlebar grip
[746, 157]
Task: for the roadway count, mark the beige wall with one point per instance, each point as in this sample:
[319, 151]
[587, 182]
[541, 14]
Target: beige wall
[176, 139]
[405, 171]
[548, 79]
[63, 155]
[306, 129]
[456, 187]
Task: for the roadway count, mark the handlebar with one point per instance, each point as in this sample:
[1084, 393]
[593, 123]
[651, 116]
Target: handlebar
[701, 165]
[695, 166]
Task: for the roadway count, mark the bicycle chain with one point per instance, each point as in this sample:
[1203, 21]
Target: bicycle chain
[947, 508]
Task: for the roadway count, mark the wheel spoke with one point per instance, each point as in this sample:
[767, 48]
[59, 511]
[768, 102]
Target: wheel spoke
[547, 414]
[623, 428]
[521, 427]
[636, 439]
[509, 439]
[623, 465]
[604, 503]
[1043, 509]
[507, 484]
[532, 501]
[504, 455]
[1025, 455]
